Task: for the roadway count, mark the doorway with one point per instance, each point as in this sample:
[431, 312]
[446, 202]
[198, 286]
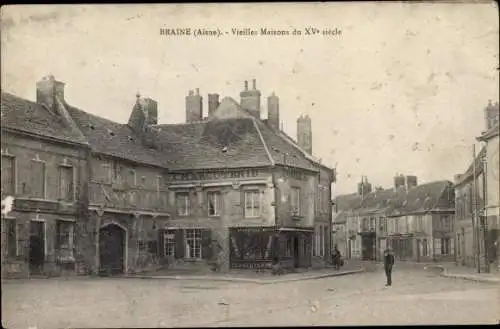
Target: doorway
[111, 250]
[296, 252]
[37, 247]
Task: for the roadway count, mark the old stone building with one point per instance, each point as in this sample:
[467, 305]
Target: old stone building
[44, 167]
[257, 194]
[415, 220]
[469, 198]
[490, 216]
[230, 190]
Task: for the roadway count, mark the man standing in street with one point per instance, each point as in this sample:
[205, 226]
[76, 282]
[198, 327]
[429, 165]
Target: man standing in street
[388, 263]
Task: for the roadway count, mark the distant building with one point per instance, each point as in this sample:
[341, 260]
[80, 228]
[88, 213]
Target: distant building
[415, 220]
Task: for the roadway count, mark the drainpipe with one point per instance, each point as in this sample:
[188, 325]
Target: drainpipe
[276, 225]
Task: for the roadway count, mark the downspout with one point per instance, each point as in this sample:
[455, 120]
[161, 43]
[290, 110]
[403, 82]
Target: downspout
[276, 225]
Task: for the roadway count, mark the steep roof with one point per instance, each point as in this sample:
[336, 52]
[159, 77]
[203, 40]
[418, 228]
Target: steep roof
[28, 116]
[115, 139]
[490, 133]
[219, 143]
[398, 202]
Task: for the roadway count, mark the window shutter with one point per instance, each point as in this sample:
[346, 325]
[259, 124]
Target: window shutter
[206, 243]
[161, 243]
[179, 244]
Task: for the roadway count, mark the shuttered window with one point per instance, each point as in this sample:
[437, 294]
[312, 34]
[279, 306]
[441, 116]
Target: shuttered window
[66, 189]
[37, 179]
[8, 175]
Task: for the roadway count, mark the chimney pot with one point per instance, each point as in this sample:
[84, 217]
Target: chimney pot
[246, 85]
[254, 84]
[197, 91]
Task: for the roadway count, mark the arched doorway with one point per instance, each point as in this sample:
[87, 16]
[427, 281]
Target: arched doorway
[112, 249]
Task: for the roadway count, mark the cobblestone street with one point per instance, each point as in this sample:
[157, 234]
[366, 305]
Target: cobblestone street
[417, 297]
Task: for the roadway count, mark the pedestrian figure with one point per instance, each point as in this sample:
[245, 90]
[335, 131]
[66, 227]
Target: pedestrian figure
[336, 258]
[388, 263]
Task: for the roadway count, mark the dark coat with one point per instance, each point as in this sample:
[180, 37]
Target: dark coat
[388, 259]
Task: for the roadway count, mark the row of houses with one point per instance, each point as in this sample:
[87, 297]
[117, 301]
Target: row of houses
[415, 220]
[226, 190]
[436, 221]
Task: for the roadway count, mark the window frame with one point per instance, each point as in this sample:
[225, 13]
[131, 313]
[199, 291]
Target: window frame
[216, 203]
[197, 242]
[187, 203]
[169, 242]
[44, 177]
[71, 243]
[295, 201]
[71, 189]
[255, 211]
[13, 172]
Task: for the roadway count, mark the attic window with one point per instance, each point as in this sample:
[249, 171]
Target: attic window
[417, 201]
[91, 126]
[112, 133]
[224, 149]
[130, 138]
[405, 203]
[276, 150]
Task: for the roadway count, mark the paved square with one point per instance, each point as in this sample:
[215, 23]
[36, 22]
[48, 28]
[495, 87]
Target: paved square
[417, 297]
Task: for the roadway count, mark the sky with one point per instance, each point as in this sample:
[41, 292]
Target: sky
[401, 90]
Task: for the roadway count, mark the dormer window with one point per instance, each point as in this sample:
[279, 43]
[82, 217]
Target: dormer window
[112, 133]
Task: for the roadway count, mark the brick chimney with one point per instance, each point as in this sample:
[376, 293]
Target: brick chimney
[194, 106]
[411, 182]
[47, 90]
[273, 111]
[250, 99]
[364, 187]
[213, 103]
[304, 133]
[399, 181]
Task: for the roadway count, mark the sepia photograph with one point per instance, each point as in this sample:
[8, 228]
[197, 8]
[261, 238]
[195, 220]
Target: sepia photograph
[250, 164]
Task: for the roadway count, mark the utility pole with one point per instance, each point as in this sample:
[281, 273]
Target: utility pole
[475, 227]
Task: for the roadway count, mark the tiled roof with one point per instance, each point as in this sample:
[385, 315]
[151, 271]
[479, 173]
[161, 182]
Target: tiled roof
[227, 143]
[115, 139]
[420, 198]
[31, 117]
[490, 133]
[347, 201]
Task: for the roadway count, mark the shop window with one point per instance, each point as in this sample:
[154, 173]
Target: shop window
[193, 244]
[169, 243]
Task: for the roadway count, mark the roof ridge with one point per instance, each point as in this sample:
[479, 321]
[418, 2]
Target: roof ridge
[254, 121]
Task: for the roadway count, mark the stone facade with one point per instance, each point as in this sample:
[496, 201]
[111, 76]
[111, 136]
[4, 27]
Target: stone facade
[47, 178]
[227, 192]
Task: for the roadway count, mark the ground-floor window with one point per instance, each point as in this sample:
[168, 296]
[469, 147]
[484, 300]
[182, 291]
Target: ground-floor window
[65, 240]
[10, 237]
[169, 243]
[437, 247]
[425, 248]
[193, 244]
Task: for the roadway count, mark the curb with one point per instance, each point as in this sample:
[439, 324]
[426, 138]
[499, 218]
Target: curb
[446, 274]
[242, 280]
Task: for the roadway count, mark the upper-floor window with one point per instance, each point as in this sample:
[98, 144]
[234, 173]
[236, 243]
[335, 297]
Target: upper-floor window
[372, 223]
[252, 204]
[214, 202]
[8, 174]
[183, 204]
[295, 201]
[37, 172]
[131, 177]
[117, 172]
[66, 187]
